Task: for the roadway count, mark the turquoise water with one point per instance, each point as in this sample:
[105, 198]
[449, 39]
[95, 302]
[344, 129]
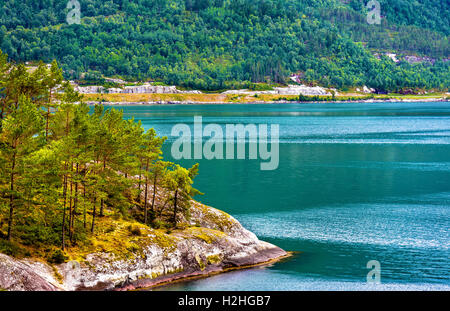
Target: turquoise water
[356, 182]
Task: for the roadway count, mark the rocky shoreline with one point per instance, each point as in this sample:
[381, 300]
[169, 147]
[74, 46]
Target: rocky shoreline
[263, 257]
[215, 244]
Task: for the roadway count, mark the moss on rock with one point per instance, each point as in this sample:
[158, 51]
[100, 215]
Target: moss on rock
[214, 259]
[208, 235]
[200, 262]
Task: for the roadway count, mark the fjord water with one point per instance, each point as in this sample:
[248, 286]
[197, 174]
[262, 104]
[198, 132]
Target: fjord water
[356, 182]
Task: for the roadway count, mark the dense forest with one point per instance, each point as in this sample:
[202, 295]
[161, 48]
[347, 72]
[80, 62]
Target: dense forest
[219, 44]
[64, 165]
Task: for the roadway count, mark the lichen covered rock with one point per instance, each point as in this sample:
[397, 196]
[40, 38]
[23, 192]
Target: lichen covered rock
[213, 242]
[18, 275]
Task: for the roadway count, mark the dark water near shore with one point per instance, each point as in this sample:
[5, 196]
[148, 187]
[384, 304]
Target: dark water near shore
[356, 182]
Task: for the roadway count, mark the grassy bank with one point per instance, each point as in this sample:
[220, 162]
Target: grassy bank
[244, 98]
[124, 238]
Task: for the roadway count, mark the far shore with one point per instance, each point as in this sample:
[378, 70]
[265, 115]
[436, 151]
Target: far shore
[222, 99]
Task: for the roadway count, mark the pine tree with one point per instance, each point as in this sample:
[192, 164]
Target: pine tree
[179, 180]
[20, 137]
[159, 171]
[4, 72]
[52, 80]
[149, 154]
[72, 160]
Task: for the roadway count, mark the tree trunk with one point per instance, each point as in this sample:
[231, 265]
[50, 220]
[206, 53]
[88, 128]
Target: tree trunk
[48, 115]
[84, 205]
[70, 211]
[63, 226]
[140, 182]
[11, 197]
[102, 203]
[161, 210]
[46, 123]
[93, 213]
[154, 197]
[146, 197]
[75, 203]
[175, 209]
[145, 201]
[139, 189]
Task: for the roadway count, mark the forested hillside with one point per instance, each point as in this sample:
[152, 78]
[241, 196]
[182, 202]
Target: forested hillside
[218, 44]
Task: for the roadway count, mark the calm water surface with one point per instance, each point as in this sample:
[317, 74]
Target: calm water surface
[356, 182]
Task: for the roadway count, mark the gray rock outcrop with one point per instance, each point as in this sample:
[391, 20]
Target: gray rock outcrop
[146, 88]
[289, 90]
[214, 242]
[16, 275]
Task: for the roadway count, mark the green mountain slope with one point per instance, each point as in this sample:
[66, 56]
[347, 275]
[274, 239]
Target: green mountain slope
[220, 44]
